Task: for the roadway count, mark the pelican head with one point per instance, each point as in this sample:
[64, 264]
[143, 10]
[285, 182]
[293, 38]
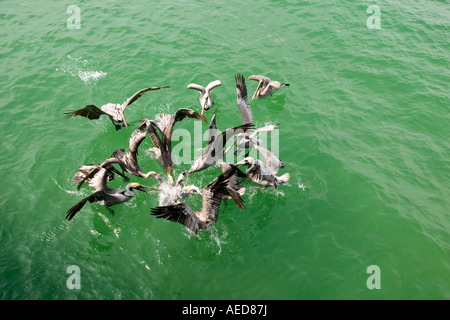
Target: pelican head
[138, 186]
[206, 101]
[192, 189]
[245, 162]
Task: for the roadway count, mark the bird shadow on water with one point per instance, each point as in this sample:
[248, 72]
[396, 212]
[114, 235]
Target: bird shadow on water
[103, 231]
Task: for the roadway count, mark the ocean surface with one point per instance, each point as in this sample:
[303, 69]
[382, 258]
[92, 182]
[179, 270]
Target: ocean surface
[363, 132]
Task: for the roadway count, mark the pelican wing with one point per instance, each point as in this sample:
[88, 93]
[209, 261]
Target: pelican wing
[82, 172]
[242, 99]
[91, 112]
[138, 94]
[196, 87]
[97, 177]
[267, 128]
[235, 187]
[98, 180]
[93, 197]
[181, 114]
[275, 84]
[213, 193]
[214, 149]
[180, 213]
[137, 137]
[272, 161]
[260, 78]
[212, 85]
[228, 133]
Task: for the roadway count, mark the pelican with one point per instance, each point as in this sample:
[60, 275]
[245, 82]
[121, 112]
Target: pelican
[234, 183]
[163, 141]
[245, 140]
[212, 196]
[105, 195]
[85, 170]
[112, 110]
[264, 174]
[214, 149]
[265, 86]
[206, 100]
[127, 161]
[242, 99]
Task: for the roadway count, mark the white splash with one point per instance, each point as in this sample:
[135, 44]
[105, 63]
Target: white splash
[167, 194]
[81, 68]
[302, 186]
[87, 76]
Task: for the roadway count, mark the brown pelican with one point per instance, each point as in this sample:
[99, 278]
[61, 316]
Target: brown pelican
[212, 196]
[246, 140]
[85, 170]
[234, 183]
[243, 140]
[112, 110]
[264, 174]
[265, 86]
[105, 195]
[206, 100]
[127, 161]
[163, 141]
[214, 149]
[242, 100]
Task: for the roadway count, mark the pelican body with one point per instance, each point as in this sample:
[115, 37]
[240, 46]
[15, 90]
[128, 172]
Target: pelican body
[264, 174]
[214, 149]
[202, 219]
[113, 110]
[126, 160]
[161, 135]
[206, 100]
[265, 86]
[105, 195]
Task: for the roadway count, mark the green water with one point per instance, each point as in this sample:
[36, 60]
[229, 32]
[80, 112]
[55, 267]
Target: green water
[364, 130]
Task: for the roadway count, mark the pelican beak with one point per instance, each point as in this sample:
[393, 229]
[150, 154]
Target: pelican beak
[244, 162]
[123, 117]
[202, 117]
[142, 188]
[255, 94]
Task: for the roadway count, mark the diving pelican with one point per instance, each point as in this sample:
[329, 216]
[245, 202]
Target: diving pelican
[265, 86]
[206, 100]
[214, 149]
[83, 171]
[105, 195]
[112, 110]
[161, 135]
[242, 99]
[212, 196]
[264, 174]
[245, 140]
[234, 183]
[127, 160]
